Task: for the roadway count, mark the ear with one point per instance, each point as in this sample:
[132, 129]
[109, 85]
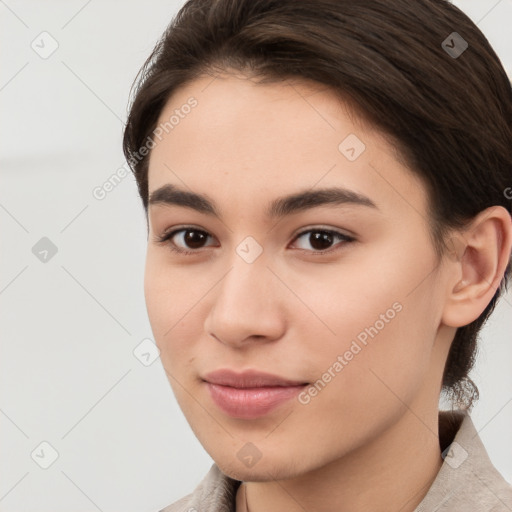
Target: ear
[479, 256]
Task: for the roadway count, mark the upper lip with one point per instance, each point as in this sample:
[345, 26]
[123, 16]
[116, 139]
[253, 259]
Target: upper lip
[248, 379]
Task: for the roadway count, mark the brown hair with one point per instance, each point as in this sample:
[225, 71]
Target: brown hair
[449, 116]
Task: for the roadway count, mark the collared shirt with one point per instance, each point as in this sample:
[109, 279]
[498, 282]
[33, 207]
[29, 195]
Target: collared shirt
[466, 482]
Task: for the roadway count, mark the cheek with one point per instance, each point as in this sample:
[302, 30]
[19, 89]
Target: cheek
[379, 321]
[167, 312]
[375, 302]
[167, 300]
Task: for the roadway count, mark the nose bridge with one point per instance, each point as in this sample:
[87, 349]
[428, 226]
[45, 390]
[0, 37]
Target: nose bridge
[245, 302]
[248, 275]
[245, 286]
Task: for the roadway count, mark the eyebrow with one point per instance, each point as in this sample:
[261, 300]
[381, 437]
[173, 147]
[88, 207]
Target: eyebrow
[280, 207]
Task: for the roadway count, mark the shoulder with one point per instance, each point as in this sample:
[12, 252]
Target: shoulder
[215, 493]
[467, 480]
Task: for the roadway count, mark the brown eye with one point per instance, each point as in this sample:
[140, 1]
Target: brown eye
[321, 239]
[194, 239]
[181, 240]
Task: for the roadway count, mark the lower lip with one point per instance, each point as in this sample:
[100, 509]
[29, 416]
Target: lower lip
[250, 403]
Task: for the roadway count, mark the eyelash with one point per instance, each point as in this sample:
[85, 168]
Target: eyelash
[165, 238]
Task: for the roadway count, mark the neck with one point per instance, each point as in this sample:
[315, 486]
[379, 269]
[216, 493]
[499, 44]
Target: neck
[393, 472]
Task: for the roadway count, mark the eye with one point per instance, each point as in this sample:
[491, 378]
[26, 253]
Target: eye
[192, 238]
[322, 239]
[189, 237]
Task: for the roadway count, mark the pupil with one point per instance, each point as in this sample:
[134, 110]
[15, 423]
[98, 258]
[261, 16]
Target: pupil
[321, 238]
[194, 239]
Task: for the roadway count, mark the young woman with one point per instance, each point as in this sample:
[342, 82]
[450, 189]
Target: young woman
[327, 189]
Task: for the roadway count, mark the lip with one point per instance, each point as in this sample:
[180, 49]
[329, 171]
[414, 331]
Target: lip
[250, 394]
[248, 379]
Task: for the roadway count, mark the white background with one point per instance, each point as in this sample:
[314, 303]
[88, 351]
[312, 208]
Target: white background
[68, 375]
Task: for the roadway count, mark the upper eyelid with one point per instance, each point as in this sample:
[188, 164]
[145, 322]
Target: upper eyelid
[301, 231]
[297, 231]
[170, 233]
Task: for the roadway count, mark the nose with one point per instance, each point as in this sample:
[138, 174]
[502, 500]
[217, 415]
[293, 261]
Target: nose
[246, 305]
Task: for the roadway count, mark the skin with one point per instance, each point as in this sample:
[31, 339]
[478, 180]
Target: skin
[369, 439]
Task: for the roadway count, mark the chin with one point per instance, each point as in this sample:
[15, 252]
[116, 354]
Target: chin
[261, 472]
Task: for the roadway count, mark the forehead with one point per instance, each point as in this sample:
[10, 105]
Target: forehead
[254, 140]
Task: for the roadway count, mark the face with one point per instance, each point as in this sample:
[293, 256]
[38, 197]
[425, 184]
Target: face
[344, 296]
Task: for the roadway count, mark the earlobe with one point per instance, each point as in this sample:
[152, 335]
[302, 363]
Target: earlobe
[478, 259]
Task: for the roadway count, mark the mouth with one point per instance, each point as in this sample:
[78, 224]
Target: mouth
[249, 379]
[250, 394]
